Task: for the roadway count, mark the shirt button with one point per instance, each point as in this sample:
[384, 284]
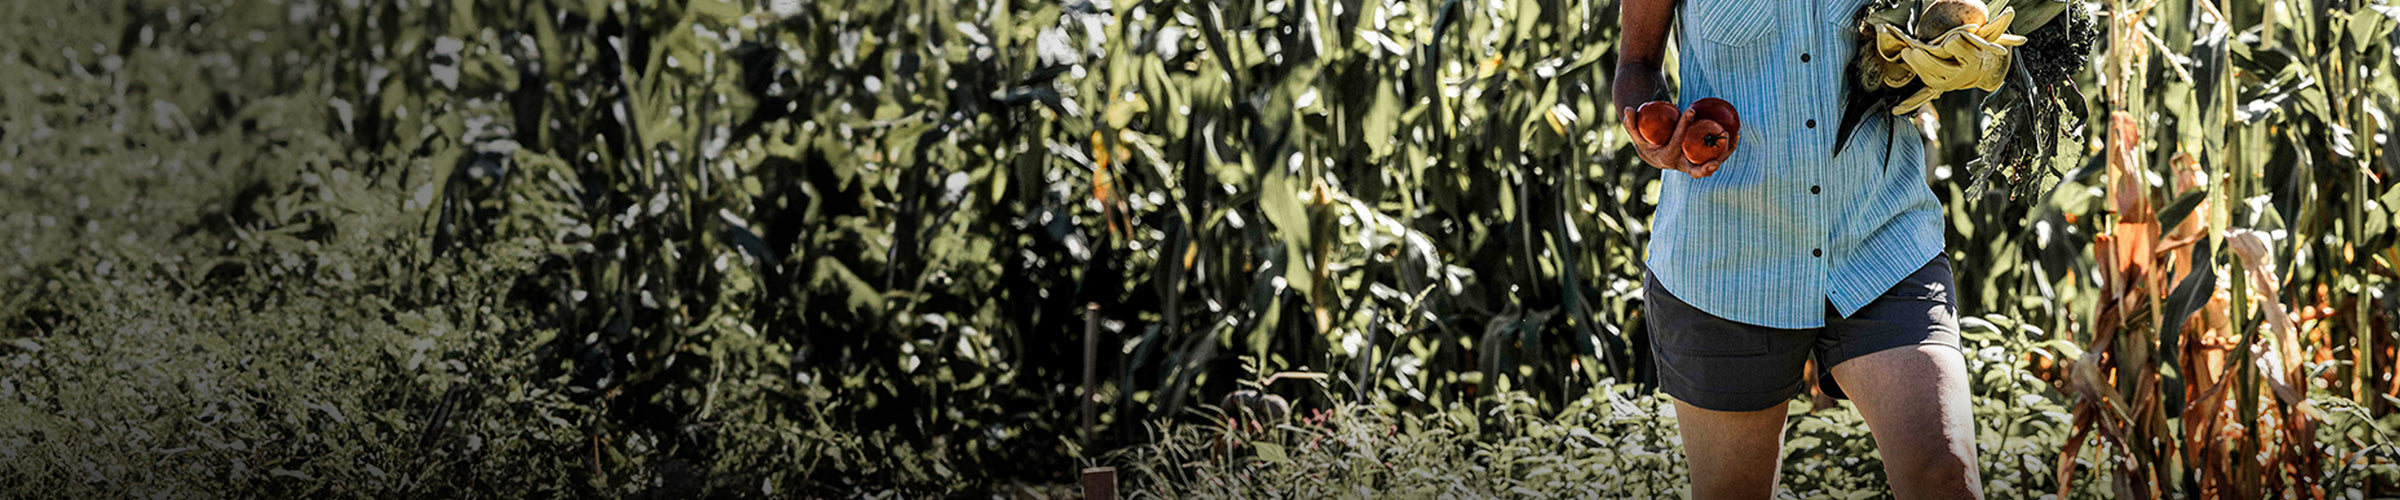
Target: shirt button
[1815, 190]
[1803, 57]
[1812, 124]
[1820, 252]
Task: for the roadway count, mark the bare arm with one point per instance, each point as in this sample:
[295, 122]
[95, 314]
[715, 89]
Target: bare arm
[1639, 48]
[1639, 80]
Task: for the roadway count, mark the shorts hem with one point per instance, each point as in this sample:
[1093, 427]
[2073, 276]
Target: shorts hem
[1732, 402]
[1845, 353]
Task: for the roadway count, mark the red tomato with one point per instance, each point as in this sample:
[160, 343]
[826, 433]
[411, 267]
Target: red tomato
[1717, 110]
[1706, 141]
[1656, 121]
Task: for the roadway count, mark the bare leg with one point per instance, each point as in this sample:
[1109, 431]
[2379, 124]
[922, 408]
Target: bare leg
[1915, 400]
[1733, 455]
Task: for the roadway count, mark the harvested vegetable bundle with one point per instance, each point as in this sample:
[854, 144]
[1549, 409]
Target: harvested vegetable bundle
[2024, 52]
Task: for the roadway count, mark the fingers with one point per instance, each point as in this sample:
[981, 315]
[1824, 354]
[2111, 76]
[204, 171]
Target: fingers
[1666, 158]
[1703, 170]
[1707, 169]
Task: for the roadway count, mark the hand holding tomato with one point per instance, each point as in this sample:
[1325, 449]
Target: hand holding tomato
[1647, 122]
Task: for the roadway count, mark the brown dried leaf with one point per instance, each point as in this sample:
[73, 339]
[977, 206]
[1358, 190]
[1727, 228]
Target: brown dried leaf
[2259, 262]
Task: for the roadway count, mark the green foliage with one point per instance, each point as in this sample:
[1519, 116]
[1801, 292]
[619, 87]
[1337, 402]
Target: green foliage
[213, 293]
[1614, 442]
[588, 248]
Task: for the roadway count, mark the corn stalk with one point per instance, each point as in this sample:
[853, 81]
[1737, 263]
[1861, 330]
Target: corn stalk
[2213, 316]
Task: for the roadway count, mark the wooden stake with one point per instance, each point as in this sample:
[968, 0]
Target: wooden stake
[1100, 483]
[1091, 351]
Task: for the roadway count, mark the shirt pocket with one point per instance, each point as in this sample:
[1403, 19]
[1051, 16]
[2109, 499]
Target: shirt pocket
[1728, 38]
[1729, 23]
[1841, 13]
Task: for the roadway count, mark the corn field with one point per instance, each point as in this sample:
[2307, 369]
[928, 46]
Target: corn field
[838, 248]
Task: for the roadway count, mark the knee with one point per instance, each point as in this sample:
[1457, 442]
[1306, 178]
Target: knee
[1942, 476]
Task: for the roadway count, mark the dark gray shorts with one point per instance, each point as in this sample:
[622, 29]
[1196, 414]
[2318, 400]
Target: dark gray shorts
[1722, 365]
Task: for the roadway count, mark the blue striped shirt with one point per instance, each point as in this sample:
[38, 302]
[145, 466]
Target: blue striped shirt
[1786, 226]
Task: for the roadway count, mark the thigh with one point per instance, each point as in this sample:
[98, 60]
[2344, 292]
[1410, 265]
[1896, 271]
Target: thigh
[1915, 400]
[1732, 455]
[1917, 391]
[1719, 364]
